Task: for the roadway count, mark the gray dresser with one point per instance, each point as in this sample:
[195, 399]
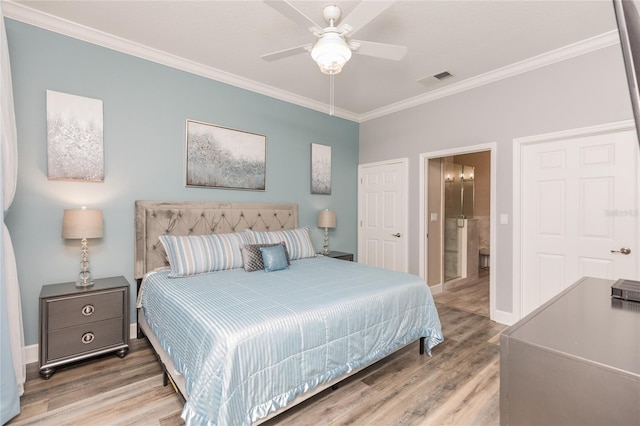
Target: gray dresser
[78, 323]
[573, 361]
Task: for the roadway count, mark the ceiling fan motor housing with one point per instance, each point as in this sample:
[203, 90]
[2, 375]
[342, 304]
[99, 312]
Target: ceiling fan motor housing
[331, 14]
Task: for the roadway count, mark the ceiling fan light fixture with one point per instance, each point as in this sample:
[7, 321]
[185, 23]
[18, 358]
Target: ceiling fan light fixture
[331, 53]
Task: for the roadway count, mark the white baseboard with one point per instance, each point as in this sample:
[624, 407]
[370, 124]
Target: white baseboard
[31, 352]
[436, 289]
[504, 317]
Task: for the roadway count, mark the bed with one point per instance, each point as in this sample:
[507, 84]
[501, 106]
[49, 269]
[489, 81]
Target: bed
[241, 347]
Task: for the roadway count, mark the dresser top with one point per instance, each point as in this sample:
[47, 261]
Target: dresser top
[68, 289]
[585, 322]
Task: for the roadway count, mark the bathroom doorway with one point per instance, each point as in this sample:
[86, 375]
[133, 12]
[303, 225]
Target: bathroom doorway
[457, 212]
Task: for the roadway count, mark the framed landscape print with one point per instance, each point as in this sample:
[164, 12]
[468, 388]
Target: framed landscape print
[218, 157]
[320, 169]
[75, 148]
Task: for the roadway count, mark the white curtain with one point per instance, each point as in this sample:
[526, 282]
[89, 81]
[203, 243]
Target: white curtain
[11, 314]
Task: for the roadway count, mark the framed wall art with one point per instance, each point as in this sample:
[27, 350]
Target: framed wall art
[320, 169]
[218, 157]
[75, 149]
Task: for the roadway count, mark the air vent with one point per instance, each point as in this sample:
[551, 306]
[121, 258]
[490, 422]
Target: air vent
[442, 75]
[434, 80]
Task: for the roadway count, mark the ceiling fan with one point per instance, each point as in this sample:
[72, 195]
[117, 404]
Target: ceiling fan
[333, 48]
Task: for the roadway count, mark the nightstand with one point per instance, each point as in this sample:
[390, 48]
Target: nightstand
[78, 323]
[341, 255]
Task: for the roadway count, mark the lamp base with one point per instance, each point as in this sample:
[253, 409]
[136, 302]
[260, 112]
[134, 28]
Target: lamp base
[325, 248]
[84, 277]
[82, 284]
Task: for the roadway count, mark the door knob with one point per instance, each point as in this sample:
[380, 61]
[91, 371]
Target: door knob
[623, 250]
[397, 235]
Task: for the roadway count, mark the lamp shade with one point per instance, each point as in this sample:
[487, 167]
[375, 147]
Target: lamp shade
[326, 219]
[82, 223]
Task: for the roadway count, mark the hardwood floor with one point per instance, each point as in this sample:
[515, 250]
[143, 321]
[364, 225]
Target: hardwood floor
[470, 297]
[457, 385]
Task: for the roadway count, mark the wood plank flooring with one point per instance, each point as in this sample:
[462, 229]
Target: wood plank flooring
[458, 385]
[470, 297]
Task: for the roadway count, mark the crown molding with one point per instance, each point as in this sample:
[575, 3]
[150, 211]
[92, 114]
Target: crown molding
[49, 22]
[592, 44]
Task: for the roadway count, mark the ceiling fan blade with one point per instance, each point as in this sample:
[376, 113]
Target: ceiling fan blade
[291, 12]
[379, 50]
[287, 52]
[364, 13]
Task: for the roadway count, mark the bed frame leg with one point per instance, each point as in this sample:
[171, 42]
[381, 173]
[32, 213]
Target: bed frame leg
[422, 346]
[165, 378]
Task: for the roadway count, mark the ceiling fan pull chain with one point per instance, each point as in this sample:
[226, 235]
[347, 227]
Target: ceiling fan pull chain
[331, 93]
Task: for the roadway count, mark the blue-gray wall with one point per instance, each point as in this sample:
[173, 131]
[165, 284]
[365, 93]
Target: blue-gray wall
[145, 108]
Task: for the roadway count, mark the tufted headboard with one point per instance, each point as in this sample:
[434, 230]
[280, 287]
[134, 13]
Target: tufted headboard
[154, 218]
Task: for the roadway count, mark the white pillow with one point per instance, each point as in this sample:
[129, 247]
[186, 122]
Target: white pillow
[298, 241]
[199, 254]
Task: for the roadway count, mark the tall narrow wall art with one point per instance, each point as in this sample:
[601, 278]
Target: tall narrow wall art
[320, 169]
[75, 148]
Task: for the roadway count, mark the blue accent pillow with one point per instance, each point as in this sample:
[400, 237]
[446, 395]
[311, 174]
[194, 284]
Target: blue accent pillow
[274, 258]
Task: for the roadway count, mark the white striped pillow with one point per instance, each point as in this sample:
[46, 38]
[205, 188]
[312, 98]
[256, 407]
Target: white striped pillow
[298, 241]
[199, 254]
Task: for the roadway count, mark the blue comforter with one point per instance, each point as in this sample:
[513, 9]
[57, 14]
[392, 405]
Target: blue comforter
[247, 343]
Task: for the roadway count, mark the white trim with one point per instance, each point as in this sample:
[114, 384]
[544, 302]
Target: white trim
[422, 208]
[435, 289]
[404, 231]
[504, 317]
[549, 58]
[31, 352]
[518, 143]
[494, 314]
[23, 13]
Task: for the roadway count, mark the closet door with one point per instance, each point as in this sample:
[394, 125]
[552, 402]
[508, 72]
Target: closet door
[382, 214]
[579, 212]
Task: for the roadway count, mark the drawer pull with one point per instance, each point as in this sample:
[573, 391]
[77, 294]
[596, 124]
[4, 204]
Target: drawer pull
[88, 310]
[88, 337]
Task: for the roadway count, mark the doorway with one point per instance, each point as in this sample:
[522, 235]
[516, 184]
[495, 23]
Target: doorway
[457, 189]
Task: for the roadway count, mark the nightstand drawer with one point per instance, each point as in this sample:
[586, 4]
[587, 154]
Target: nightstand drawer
[76, 340]
[87, 308]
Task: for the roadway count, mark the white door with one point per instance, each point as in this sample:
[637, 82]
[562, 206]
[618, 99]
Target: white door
[579, 210]
[382, 211]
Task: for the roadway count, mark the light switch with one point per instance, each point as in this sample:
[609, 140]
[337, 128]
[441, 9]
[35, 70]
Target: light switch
[504, 219]
[434, 217]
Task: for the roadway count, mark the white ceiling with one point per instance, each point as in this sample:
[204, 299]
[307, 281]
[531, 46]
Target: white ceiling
[476, 41]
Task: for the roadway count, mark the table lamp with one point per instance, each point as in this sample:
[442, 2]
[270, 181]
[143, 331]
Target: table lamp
[80, 224]
[326, 220]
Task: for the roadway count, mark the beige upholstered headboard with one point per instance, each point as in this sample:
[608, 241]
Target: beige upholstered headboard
[154, 218]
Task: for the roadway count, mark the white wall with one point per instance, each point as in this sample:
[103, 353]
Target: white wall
[586, 90]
